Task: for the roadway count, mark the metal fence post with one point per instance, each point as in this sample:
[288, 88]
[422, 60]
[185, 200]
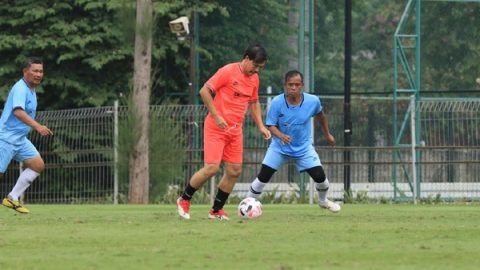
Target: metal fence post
[115, 152]
[413, 145]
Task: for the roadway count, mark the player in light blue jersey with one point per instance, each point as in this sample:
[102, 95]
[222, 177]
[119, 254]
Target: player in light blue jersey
[18, 118]
[288, 119]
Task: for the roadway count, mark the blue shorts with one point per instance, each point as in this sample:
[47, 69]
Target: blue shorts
[17, 152]
[307, 161]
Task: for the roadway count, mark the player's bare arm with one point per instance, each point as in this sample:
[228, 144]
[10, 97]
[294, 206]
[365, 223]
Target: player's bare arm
[206, 95]
[256, 112]
[322, 119]
[25, 118]
[277, 133]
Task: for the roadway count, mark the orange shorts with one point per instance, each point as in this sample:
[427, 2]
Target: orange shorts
[222, 144]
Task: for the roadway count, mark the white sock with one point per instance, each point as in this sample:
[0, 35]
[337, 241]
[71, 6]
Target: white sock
[256, 188]
[322, 189]
[24, 180]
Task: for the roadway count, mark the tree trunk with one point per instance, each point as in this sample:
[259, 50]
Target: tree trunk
[139, 158]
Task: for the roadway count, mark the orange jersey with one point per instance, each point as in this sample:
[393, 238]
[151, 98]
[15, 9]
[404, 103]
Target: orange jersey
[233, 92]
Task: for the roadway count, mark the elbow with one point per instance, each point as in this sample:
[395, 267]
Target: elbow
[18, 111]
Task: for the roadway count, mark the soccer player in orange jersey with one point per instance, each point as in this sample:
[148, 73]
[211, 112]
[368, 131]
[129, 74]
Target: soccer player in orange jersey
[227, 95]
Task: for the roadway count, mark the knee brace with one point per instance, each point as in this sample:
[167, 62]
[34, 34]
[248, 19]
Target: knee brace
[317, 173]
[265, 173]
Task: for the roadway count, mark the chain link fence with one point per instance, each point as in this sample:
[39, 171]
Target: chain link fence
[80, 163]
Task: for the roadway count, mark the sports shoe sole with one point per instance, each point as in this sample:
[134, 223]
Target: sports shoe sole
[180, 211]
[15, 206]
[332, 207]
[217, 217]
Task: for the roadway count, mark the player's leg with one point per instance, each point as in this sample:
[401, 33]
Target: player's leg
[213, 145]
[34, 165]
[233, 159]
[199, 178]
[196, 181]
[259, 183]
[270, 164]
[7, 152]
[312, 165]
[322, 185]
[231, 173]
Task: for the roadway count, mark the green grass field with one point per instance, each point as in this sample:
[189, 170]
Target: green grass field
[362, 236]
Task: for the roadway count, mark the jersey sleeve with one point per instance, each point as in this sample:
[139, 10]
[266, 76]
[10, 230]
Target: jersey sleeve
[19, 97]
[318, 106]
[272, 114]
[218, 80]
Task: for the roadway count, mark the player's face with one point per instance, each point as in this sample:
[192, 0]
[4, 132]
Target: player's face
[33, 75]
[293, 86]
[251, 67]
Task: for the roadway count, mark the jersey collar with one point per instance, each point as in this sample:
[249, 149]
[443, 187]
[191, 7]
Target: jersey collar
[299, 105]
[28, 86]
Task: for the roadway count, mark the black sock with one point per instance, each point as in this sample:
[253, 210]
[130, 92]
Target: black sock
[220, 200]
[188, 192]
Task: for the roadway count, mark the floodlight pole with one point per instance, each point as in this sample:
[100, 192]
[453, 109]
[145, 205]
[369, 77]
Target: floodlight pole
[193, 98]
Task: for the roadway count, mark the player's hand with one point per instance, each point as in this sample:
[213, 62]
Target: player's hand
[285, 139]
[265, 133]
[44, 131]
[330, 139]
[221, 123]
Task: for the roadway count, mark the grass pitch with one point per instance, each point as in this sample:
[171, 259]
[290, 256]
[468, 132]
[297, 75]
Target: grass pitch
[285, 237]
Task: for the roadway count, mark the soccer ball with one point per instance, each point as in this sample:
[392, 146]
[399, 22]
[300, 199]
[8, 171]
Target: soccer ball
[249, 208]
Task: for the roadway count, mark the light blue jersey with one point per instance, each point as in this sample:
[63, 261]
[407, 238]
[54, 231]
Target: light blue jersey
[293, 121]
[12, 130]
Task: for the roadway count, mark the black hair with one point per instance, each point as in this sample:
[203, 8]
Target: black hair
[31, 60]
[292, 73]
[256, 53]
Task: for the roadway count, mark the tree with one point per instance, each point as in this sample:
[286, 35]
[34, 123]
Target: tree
[85, 57]
[227, 31]
[139, 158]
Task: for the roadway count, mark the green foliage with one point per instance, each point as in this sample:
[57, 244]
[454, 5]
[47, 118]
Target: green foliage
[449, 46]
[87, 45]
[171, 57]
[432, 199]
[167, 147]
[80, 46]
[226, 33]
[289, 198]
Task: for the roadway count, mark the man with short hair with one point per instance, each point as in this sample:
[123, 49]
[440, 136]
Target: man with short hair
[18, 118]
[288, 119]
[235, 87]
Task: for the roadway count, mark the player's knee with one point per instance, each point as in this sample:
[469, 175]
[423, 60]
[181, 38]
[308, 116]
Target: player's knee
[40, 167]
[265, 173]
[210, 170]
[35, 164]
[317, 174]
[234, 172]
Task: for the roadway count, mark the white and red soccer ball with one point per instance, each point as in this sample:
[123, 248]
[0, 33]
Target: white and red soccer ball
[249, 208]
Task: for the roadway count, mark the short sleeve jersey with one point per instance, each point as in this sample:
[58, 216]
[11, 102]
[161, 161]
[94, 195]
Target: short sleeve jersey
[12, 130]
[233, 92]
[293, 121]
